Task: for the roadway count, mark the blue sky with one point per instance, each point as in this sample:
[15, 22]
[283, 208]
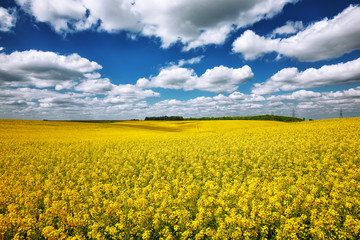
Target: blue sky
[124, 59]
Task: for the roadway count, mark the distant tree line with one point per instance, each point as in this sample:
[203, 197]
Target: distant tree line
[259, 117]
[165, 118]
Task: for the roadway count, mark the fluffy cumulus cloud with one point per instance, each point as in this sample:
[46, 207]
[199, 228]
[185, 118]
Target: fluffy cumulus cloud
[307, 104]
[289, 28]
[223, 79]
[253, 46]
[246, 98]
[59, 14]
[198, 23]
[289, 79]
[299, 95]
[50, 70]
[45, 103]
[111, 15]
[219, 105]
[95, 86]
[77, 15]
[132, 92]
[217, 79]
[191, 61]
[193, 23]
[43, 69]
[170, 78]
[317, 104]
[304, 99]
[38, 84]
[321, 40]
[7, 19]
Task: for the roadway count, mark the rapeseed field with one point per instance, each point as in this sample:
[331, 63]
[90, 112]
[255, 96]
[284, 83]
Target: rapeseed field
[180, 180]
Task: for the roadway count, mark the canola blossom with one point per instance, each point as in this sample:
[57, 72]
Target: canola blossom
[180, 180]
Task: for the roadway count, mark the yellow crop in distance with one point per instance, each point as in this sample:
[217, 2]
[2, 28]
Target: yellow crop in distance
[180, 180]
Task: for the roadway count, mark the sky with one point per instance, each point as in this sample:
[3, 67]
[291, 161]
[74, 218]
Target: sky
[128, 59]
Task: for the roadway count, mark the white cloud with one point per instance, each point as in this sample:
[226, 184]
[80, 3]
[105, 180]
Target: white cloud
[31, 94]
[115, 93]
[32, 103]
[43, 69]
[132, 92]
[126, 104]
[65, 85]
[193, 23]
[36, 84]
[191, 61]
[317, 104]
[77, 15]
[1, 48]
[198, 23]
[59, 14]
[219, 105]
[303, 94]
[343, 94]
[212, 36]
[95, 86]
[237, 96]
[61, 102]
[275, 104]
[223, 79]
[289, 28]
[217, 79]
[307, 104]
[300, 95]
[172, 78]
[322, 40]
[253, 46]
[246, 98]
[289, 79]
[113, 15]
[7, 19]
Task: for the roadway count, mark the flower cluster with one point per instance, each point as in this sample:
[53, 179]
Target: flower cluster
[180, 180]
